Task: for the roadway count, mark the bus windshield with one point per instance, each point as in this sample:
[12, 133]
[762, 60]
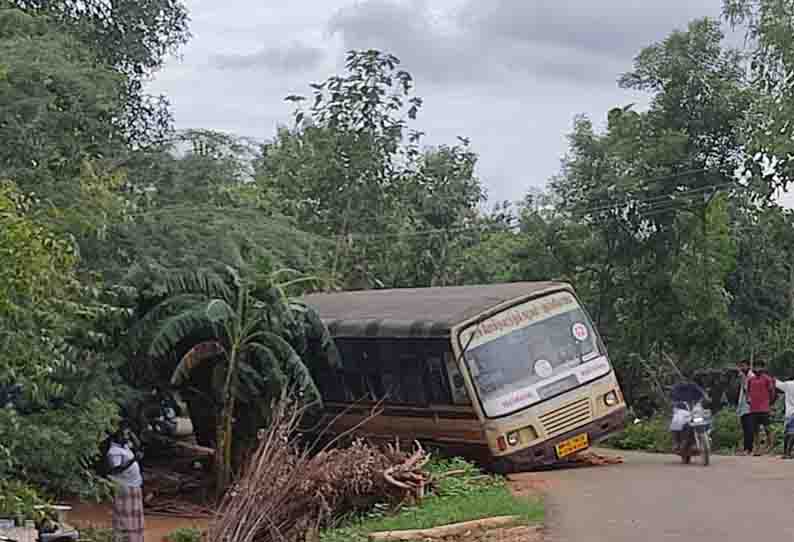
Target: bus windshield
[531, 352]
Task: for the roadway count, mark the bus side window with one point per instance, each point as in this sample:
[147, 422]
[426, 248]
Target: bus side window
[332, 384]
[458, 386]
[438, 383]
[412, 378]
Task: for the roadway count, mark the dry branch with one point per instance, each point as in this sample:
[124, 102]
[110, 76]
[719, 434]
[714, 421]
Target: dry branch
[286, 492]
[444, 531]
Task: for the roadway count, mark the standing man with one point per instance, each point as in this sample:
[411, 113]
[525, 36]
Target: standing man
[743, 408]
[788, 389]
[761, 388]
[125, 471]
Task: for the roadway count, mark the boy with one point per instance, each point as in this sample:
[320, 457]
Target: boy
[788, 390]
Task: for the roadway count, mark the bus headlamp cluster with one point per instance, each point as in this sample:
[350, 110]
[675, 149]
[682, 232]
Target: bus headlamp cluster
[611, 399]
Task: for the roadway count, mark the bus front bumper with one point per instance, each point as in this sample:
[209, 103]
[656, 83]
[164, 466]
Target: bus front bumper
[545, 454]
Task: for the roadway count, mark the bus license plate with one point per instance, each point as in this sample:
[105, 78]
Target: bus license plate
[572, 445]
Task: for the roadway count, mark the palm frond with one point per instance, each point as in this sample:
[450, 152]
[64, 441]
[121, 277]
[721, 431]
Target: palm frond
[195, 357]
[292, 365]
[218, 311]
[210, 283]
[268, 363]
[176, 329]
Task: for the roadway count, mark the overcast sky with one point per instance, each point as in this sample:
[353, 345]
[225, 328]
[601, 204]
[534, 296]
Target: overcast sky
[508, 74]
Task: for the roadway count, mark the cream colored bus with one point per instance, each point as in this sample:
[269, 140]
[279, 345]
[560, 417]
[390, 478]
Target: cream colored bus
[515, 374]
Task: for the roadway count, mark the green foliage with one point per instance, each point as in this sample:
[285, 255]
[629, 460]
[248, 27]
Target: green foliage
[96, 534]
[37, 263]
[726, 435]
[49, 448]
[648, 435]
[654, 435]
[769, 27]
[57, 104]
[259, 342]
[351, 170]
[19, 501]
[185, 534]
[466, 496]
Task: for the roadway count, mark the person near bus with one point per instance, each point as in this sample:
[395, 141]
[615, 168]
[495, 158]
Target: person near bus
[743, 409]
[125, 472]
[684, 395]
[787, 388]
[761, 390]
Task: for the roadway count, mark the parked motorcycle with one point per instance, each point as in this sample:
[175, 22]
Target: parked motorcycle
[696, 424]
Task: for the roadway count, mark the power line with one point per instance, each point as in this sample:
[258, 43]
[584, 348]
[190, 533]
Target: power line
[688, 195]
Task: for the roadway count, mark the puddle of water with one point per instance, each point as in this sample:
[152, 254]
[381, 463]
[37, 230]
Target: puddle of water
[157, 528]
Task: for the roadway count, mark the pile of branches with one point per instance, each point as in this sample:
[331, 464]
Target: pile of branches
[286, 492]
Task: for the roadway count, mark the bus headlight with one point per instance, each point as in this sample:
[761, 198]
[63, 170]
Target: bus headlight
[512, 438]
[611, 399]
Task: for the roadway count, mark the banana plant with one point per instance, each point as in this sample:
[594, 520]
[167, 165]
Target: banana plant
[260, 343]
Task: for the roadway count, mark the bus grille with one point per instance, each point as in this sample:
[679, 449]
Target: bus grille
[566, 418]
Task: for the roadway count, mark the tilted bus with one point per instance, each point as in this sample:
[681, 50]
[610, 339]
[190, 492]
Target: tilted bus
[514, 373]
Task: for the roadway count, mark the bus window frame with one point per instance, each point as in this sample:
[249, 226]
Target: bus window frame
[464, 366]
[364, 371]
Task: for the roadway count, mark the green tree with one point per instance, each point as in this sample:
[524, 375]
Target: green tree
[769, 27]
[350, 170]
[134, 37]
[259, 342]
[49, 352]
[57, 105]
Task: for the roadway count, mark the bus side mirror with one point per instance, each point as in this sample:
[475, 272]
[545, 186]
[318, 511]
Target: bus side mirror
[458, 379]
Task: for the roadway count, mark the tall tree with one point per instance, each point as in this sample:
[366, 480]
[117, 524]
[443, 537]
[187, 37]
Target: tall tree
[769, 27]
[134, 37]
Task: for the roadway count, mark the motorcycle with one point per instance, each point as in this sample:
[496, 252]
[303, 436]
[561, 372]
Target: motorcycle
[696, 424]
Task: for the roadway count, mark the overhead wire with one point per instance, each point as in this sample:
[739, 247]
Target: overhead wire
[649, 206]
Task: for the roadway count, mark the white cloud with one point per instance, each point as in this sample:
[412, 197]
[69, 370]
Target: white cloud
[509, 74]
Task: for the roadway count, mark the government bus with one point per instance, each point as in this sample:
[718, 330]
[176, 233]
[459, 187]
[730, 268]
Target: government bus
[514, 375]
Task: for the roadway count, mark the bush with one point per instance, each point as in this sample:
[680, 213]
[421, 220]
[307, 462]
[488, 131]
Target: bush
[48, 449]
[185, 534]
[727, 431]
[651, 435]
[18, 501]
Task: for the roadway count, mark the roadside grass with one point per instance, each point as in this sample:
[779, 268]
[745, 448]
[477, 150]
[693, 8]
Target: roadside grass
[653, 435]
[465, 496]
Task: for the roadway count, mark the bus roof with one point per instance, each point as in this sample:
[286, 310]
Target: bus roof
[415, 312]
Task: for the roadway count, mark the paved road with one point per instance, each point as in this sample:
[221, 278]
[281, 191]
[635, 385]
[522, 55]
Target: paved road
[653, 498]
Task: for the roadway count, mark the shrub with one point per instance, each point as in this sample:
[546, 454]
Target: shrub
[185, 534]
[651, 435]
[727, 431]
[18, 501]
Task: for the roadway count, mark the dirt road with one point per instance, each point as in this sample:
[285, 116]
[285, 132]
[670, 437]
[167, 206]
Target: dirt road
[652, 498]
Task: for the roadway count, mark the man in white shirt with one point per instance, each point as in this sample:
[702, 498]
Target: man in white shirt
[743, 409]
[125, 471]
[788, 390]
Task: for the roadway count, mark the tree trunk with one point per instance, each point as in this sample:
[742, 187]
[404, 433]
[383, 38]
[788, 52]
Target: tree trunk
[223, 454]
